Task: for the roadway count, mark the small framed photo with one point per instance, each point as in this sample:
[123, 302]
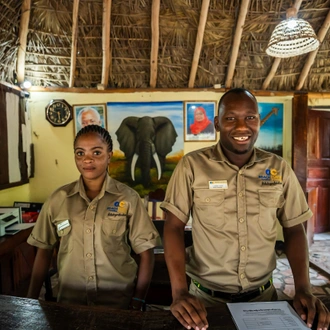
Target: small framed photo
[199, 121]
[89, 114]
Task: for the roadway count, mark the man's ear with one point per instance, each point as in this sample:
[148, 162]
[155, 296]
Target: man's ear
[216, 123]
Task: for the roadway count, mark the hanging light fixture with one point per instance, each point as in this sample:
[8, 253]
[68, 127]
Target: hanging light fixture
[292, 37]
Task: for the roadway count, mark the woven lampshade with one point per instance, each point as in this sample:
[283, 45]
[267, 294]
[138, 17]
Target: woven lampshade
[292, 37]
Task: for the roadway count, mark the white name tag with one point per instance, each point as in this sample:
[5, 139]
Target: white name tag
[219, 184]
[63, 225]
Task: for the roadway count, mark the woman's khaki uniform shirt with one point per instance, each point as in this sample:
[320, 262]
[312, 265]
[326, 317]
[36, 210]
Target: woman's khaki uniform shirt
[94, 261]
[234, 213]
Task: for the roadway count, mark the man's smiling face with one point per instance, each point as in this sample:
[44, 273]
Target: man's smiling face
[238, 123]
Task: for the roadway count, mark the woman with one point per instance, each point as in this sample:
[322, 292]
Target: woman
[201, 123]
[97, 220]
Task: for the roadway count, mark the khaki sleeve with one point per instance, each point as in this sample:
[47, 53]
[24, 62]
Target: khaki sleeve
[179, 193]
[142, 233]
[295, 209]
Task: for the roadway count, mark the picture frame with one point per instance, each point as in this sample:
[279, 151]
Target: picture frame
[88, 114]
[130, 125]
[199, 121]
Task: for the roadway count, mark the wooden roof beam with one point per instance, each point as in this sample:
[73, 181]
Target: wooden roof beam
[311, 56]
[23, 32]
[155, 8]
[236, 42]
[106, 42]
[74, 42]
[277, 60]
[199, 42]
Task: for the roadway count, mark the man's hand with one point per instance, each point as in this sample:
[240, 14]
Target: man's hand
[189, 311]
[308, 307]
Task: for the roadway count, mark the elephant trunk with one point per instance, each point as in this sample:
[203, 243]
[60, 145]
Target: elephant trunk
[145, 151]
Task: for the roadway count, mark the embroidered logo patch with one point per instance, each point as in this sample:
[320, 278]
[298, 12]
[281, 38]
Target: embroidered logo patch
[271, 177]
[119, 207]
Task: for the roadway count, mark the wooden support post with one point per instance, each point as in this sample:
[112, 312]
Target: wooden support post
[236, 42]
[311, 56]
[106, 42]
[74, 42]
[23, 32]
[199, 42]
[154, 42]
[299, 136]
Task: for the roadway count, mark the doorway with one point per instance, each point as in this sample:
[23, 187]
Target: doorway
[311, 159]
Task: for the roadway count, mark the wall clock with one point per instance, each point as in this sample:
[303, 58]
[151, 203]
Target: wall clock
[58, 112]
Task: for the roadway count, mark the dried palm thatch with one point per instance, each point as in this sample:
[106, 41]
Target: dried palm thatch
[162, 44]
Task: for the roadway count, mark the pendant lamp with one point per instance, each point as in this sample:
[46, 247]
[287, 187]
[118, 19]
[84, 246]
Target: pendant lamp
[292, 37]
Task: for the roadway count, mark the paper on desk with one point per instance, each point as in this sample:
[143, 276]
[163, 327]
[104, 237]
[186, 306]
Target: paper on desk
[265, 315]
[21, 226]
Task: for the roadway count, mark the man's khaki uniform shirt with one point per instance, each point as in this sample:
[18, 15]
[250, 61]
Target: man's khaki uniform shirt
[94, 261]
[234, 213]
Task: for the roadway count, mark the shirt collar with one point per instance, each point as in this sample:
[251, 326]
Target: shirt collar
[258, 155]
[109, 185]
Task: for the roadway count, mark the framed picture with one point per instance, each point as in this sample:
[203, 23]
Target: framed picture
[147, 143]
[198, 121]
[89, 114]
[271, 128]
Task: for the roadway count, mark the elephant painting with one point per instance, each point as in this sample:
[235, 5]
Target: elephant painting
[146, 141]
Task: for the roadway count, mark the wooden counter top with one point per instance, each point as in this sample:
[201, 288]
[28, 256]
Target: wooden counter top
[22, 313]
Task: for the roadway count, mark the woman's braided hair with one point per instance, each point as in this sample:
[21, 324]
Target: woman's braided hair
[104, 134]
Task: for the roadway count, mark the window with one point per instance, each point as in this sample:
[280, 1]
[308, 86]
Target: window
[14, 145]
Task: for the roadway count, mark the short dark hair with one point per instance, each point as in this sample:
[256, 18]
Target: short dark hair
[104, 134]
[236, 91]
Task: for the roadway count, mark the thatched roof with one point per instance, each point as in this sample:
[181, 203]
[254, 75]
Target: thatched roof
[158, 44]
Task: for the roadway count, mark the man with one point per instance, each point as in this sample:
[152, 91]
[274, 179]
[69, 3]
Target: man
[89, 116]
[235, 193]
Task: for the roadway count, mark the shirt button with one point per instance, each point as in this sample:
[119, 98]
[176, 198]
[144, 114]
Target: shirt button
[240, 172]
[88, 231]
[243, 248]
[207, 200]
[240, 194]
[241, 220]
[90, 278]
[242, 276]
[92, 207]
[88, 255]
[114, 231]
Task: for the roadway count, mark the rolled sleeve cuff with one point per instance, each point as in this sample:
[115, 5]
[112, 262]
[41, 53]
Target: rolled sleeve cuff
[300, 219]
[174, 210]
[147, 245]
[34, 242]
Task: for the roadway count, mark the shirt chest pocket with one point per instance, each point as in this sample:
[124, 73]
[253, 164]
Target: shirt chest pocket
[270, 201]
[209, 206]
[114, 225]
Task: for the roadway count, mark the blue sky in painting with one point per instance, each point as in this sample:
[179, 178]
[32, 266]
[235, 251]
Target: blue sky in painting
[117, 111]
[271, 132]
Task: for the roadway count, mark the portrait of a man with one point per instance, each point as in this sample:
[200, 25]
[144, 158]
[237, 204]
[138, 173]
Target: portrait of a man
[85, 115]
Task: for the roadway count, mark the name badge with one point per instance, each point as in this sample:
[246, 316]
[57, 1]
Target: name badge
[219, 184]
[63, 225]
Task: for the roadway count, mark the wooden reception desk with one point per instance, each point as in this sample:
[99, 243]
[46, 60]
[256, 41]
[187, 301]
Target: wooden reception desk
[23, 313]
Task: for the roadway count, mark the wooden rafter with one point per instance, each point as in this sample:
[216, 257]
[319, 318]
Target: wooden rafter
[311, 56]
[236, 42]
[106, 42]
[154, 42]
[23, 32]
[277, 60]
[199, 42]
[74, 41]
